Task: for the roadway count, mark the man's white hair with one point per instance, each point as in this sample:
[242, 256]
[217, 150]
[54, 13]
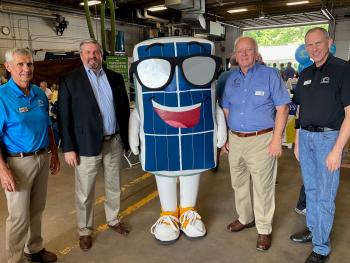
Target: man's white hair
[18, 51]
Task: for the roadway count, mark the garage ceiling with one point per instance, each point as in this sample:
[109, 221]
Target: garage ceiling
[259, 13]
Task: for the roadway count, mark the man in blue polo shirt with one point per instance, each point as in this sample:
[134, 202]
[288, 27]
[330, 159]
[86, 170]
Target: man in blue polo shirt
[25, 136]
[255, 105]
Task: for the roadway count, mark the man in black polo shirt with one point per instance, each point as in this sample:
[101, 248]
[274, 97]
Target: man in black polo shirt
[323, 95]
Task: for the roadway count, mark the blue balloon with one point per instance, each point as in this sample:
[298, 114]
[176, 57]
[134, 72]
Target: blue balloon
[301, 67]
[333, 49]
[301, 54]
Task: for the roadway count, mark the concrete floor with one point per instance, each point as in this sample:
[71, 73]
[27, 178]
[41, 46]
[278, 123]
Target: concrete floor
[140, 208]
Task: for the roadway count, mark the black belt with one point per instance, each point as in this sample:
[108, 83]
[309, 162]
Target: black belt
[312, 128]
[27, 154]
[248, 134]
[109, 137]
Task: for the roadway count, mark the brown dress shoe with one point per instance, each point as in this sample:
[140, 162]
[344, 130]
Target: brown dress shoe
[237, 226]
[42, 256]
[85, 242]
[264, 242]
[120, 228]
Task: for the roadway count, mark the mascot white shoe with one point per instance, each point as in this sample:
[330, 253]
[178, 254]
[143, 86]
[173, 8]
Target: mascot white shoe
[176, 126]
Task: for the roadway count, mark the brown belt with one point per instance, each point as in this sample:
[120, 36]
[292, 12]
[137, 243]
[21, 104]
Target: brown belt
[27, 154]
[248, 134]
[109, 137]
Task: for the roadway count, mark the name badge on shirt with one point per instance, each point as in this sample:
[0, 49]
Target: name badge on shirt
[23, 109]
[325, 80]
[307, 82]
[259, 93]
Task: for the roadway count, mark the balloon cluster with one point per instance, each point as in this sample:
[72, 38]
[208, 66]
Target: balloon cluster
[303, 57]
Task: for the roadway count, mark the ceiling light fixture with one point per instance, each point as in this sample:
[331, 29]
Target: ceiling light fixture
[157, 8]
[238, 10]
[297, 3]
[90, 3]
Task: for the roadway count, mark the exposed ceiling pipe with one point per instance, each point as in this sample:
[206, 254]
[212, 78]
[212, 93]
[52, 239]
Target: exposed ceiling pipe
[15, 9]
[146, 16]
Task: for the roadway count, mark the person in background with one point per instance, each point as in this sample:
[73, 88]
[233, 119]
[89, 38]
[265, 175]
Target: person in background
[25, 135]
[289, 72]
[322, 133]
[283, 71]
[54, 95]
[94, 120]
[45, 89]
[256, 108]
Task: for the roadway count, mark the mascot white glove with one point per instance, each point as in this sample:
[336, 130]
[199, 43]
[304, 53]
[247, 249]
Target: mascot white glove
[134, 130]
[221, 124]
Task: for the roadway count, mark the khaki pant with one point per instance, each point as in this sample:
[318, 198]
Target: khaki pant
[85, 178]
[249, 160]
[26, 205]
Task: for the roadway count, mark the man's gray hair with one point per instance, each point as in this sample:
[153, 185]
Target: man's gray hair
[18, 51]
[321, 29]
[246, 37]
[90, 41]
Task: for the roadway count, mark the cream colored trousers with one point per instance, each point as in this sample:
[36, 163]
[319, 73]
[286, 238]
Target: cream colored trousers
[26, 205]
[249, 161]
[109, 161]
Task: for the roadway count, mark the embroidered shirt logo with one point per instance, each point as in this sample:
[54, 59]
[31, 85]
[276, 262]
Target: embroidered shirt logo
[325, 80]
[41, 103]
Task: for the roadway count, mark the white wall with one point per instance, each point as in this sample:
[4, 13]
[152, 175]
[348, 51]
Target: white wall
[40, 34]
[342, 39]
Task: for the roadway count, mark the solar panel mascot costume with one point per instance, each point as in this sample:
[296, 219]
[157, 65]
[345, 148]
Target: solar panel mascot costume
[177, 126]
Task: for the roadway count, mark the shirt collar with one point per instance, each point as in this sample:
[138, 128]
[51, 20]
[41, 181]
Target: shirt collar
[89, 71]
[323, 65]
[17, 90]
[251, 69]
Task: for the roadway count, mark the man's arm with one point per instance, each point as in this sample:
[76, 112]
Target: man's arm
[64, 121]
[275, 147]
[8, 182]
[54, 162]
[333, 160]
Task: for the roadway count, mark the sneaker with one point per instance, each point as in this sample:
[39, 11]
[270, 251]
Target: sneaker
[192, 225]
[166, 230]
[300, 211]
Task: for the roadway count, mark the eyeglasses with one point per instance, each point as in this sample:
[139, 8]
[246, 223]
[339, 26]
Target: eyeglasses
[155, 73]
[247, 50]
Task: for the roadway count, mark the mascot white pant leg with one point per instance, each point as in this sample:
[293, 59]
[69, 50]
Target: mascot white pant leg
[177, 126]
[173, 218]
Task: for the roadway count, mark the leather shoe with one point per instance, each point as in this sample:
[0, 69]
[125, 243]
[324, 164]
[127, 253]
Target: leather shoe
[237, 226]
[316, 258]
[42, 256]
[85, 242]
[120, 228]
[303, 237]
[264, 242]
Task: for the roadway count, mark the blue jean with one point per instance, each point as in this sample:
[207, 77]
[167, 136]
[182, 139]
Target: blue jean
[320, 185]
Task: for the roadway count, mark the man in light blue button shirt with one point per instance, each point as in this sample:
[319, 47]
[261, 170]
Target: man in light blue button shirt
[255, 105]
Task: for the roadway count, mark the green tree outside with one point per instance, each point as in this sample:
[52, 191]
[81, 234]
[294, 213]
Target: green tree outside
[281, 36]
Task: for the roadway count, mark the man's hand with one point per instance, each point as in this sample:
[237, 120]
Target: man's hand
[54, 163]
[296, 145]
[333, 160]
[225, 148]
[71, 158]
[8, 182]
[275, 148]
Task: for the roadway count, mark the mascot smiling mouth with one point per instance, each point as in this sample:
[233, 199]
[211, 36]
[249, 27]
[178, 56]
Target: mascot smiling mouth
[179, 117]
